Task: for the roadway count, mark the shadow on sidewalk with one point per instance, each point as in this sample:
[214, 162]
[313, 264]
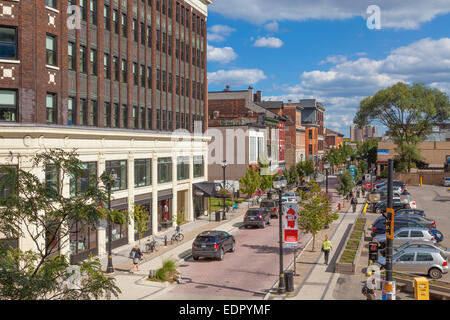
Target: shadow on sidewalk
[332, 262]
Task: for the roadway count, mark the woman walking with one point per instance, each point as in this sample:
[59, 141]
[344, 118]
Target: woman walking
[326, 248]
[136, 255]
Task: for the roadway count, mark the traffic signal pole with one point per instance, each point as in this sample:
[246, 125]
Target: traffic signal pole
[389, 286]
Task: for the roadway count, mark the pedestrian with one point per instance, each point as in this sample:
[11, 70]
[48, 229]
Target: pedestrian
[326, 248]
[136, 255]
[354, 202]
[235, 207]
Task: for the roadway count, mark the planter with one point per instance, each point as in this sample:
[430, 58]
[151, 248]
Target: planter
[351, 251]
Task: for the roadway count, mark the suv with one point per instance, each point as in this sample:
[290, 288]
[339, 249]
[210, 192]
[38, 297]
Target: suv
[256, 217]
[420, 244]
[406, 234]
[271, 206]
[426, 222]
[213, 244]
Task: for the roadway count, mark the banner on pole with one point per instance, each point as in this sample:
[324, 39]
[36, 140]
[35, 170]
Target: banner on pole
[290, 224]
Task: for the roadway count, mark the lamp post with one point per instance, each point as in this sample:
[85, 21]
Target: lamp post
[278, 184]
[224, 166]
[112, 178]
[326, 165]
[218, 188]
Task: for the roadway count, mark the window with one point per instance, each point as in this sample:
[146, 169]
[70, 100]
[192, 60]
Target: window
[164, 42]
[193, 89]
[88, 178]
[142, 74]
[93, 113]
[142, 34]
[124, 116]
[71, 102]
[142, 172]
[7, 189]
[187, 53]
[8, 105]
[83, 9]
[135, 117]
[72, 56]
[149, 77]
[51, 181]
[158, 79]
[416, 234]
[135, 30]
[164, 80]
[93, 12]
[149, 118]
[198, 166]
[107, 115]
[142, 118]
[177, 12]
[187, 93]
[93, 60]
[116, 21]
[177, 85]
[135, 74]
[170, 83]
[253, 149]
[407, 257]
[116, 113]
[124, 70]
[182, 50]
[107, 66]
[164, 170]
[50, 3]
[124, 25]
[424, 257]
[149, 36]
[83, 112]
[106, 17]
[120, 169]
[182, 86]
[158, 119]
[182, 16]
[83, 59]
[116, 68]
[310, 134]
[310, 149]
[50, 45]
[183, 168]
[51, 107]
[403, 234]
[158, 40]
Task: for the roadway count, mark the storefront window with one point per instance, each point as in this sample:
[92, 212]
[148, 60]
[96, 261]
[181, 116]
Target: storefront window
[148, 232]
[88, 178]
[119, 232]
[82, 238]
[120, 169]
[183, 168]
[198, 167]
[142, 172]
[164, 214]
[164, 170]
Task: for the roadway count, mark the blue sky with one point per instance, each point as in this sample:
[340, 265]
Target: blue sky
[323, 49]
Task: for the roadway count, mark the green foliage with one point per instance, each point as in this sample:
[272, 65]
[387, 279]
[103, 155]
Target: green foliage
[305, 168]
[368, 151]
[41, 273]
[170, 265]
[291, 175]
[346, 183]
[250, 182]
[315, 210]
[161, 274]
[167, 271]
[141, 217]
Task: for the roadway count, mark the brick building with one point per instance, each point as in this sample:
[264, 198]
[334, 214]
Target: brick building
[114, 84]
[333, 139]
[313, 121]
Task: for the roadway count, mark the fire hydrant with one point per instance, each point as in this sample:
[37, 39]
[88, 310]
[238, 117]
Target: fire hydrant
[339, 206]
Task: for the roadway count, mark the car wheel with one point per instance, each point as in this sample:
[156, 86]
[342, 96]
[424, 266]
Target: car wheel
[221, 253]
[233, 247]
[195, 258]
[435, 273]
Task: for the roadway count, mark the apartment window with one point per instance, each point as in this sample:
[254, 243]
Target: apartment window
[135, 30]
[142, 118]
[71, 110]
[158, 79]
[7, 189]
[93, 61]
[116, 113]
[182, 16]
[164, 119]
[158, 40]
[88, 178]
[158, 5]
[93, 12]
[50, 45]
[164, 6]
[187, 18]
[177, 49]
[169, 9]
[135, 74]
[119, 168]
[182, 50]
[116, 21]
[142, 74]
[107, 115]
[187, 88]
[193, 25]
[135, 117]
[170, 46]
[72, 56]
[124, 25]
[142, 34]
[182, 86]
[199, 170]
[177, 85]
[124, 116]
[182, 168]
[177, 120]
[187, 53]
[310, 134]
[51, 107]
[149, 77]
[170, 82]
[50, 3]
[158, 119]
[116, 68]
[310, 149]
[164, 42]
[8, 105]
[106, 17]
[142, 172]
[93, 113]
[164, 80]
[149, 118]
[8, 43]
[107, 66]
[83, 111]
[193, 89]
[164, 170]
[198, 91]
[83, 59]
[124, 70]
[83, 9]
[149, 36]
[198, 58]
[51, 181]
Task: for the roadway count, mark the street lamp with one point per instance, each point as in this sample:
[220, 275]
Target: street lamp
[224, 166]
[279, 184]
[218, 188]
[326, 165]
[112, 178]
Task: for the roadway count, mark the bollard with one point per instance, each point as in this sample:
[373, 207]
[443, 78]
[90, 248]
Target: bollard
[165, 240]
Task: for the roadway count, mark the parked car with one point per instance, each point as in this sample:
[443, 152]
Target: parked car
[256, 217]
[446, 182]
[291, 196]
[271, 206]
[426, 222]
[381, 206]
[395, 183]
[213, 244]
[406, 234]
[418, 261]
[419, 244]
[402, 222]
[410, 211]
[397, 189]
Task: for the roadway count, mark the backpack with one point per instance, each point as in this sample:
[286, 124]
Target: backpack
[365, 290]
[132, 254]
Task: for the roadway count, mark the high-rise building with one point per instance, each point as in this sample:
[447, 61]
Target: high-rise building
[363, 134]
[114, 80]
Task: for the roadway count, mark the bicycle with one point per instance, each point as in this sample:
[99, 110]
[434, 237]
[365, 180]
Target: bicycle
[152, 245]
[177, 236]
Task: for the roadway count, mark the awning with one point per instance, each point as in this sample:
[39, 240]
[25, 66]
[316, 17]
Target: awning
[207, 188]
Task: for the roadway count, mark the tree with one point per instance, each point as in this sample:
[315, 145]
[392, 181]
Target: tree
[250, 182]
[315, 211]
[291, 175]
[408, 111]
[368, 151]
[346, 183]
[141, 217]
[266, 178]
[305, 168]
[40, 212]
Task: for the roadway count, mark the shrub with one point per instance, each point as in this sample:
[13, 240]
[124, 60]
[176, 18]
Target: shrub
[169, 265]
[161, 274]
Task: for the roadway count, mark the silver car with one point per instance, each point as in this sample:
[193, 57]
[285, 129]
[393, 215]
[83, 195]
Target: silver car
[419, 261]
[406, 234]
[420, 244]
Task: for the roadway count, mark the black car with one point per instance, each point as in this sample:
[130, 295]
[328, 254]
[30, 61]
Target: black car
[381, 206]
[270, 206]
[426, 222]
[213, 244]
[380, 225]
[411, 211]
[256, 217]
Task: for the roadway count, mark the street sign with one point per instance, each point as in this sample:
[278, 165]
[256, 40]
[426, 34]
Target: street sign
[290, 223]
[390, 224]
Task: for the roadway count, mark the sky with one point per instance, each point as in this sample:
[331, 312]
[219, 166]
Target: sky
[333, 50]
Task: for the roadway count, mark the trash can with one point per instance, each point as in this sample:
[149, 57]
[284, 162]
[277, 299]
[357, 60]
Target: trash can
[218, 213]
[289, 281]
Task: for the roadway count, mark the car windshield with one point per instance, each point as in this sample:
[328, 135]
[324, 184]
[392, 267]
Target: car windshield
[253, 213]
[267, 204]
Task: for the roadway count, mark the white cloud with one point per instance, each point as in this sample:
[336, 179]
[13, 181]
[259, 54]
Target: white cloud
[405, 14]
[222, 55]
[272, 26]
[219, 33]
[236, 77]
[270, 42]
[334, 59]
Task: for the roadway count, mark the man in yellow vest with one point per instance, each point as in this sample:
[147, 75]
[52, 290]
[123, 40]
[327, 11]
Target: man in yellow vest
[326, 248]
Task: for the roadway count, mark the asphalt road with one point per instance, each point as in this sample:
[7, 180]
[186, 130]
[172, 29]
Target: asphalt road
[248, 273]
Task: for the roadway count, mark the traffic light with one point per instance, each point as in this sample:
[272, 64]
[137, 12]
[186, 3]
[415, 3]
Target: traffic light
[390, 224]
[373, 251]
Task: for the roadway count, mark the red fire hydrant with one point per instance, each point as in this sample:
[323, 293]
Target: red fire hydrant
[339, 206]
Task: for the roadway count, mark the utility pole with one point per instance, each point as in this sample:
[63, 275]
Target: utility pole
[389, 285]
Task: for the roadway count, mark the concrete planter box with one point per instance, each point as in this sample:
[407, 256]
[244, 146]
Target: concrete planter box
[350, 267]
